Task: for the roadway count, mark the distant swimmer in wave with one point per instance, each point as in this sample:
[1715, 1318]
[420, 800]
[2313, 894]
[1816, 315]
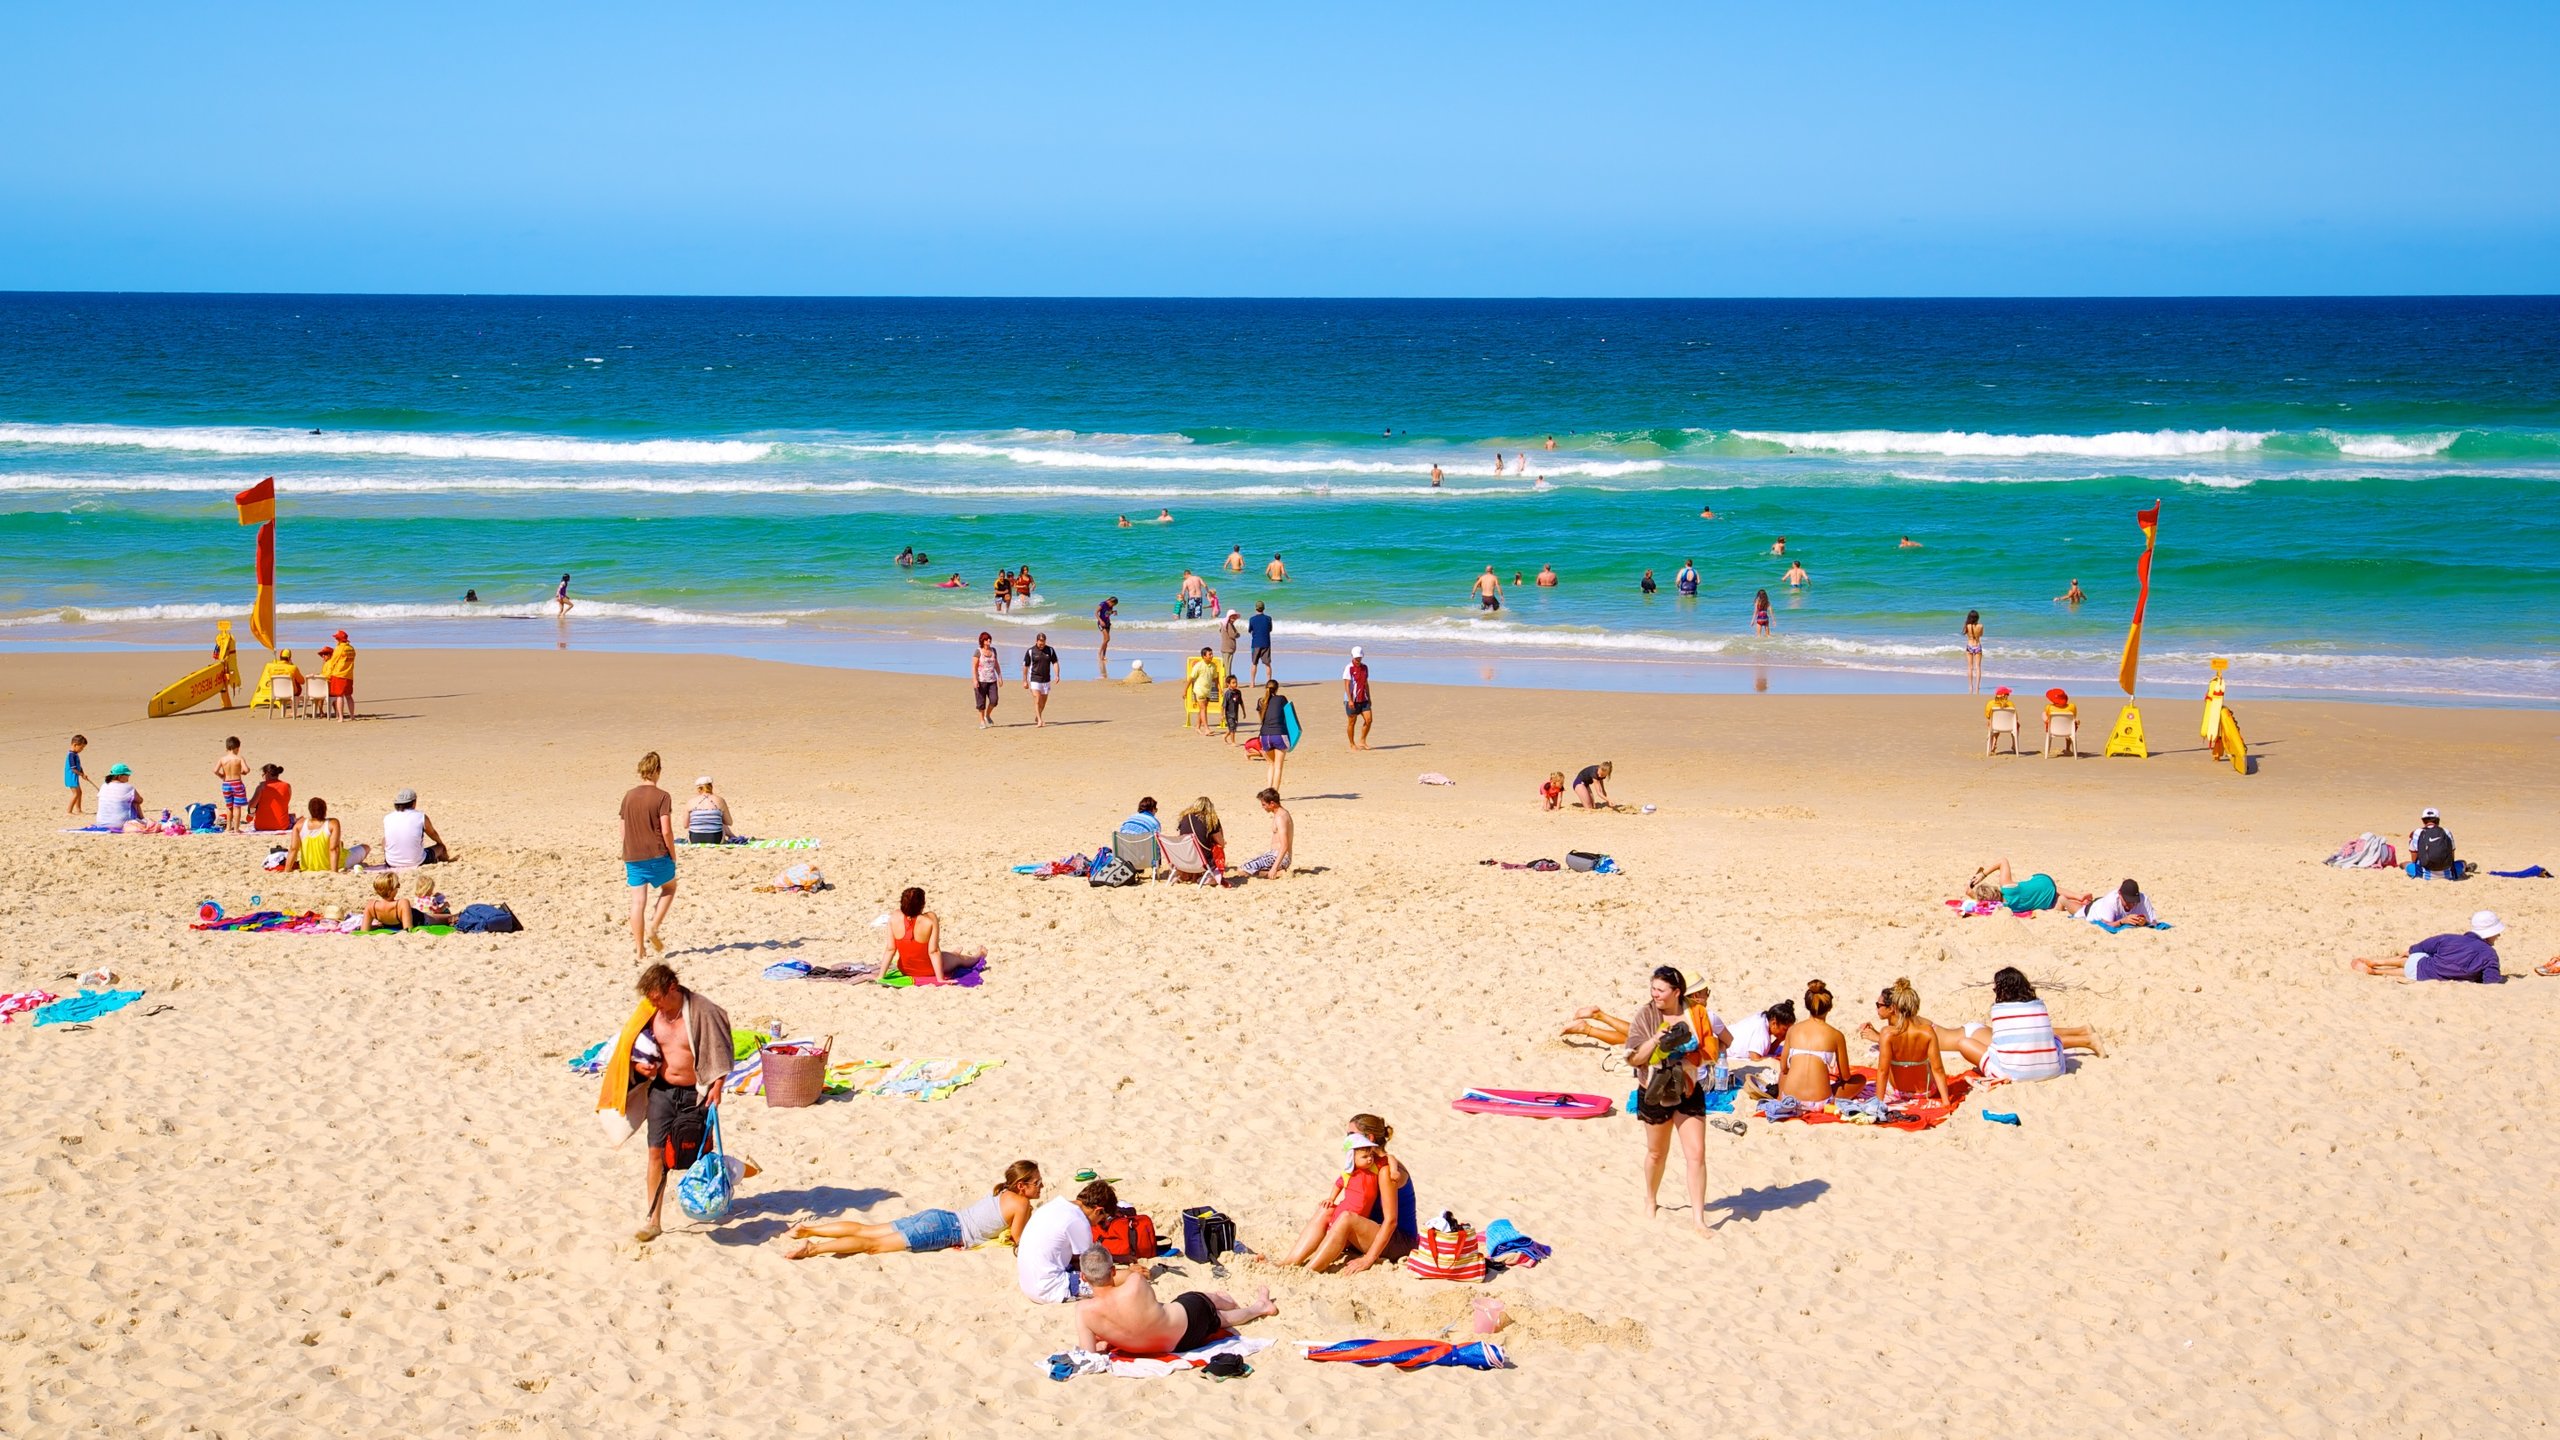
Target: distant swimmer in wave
[1275, 572]
[1780, 548]
[1796, 576]
[1551, 442]
[1124, 522]
[561, 597]
[1516, 580]
[2073, 596]
[954, 583]
[1435, 476]
[470, 597]
[1646, 584]
[1488, 589]
[1235, 560]
[1164, 517]
[1542, 484]
[1547, 576]
[1910, 544]
[1497, 462]
[1706, 512]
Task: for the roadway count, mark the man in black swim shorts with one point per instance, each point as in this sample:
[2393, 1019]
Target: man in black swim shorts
[1123, 1313]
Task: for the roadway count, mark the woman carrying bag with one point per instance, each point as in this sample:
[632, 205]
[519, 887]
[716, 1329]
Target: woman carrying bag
[1670, 1045]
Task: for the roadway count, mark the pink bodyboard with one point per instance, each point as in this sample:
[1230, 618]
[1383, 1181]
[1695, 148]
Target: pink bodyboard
[1536, 1104]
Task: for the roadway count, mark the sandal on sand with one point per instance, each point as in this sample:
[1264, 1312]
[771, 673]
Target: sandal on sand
[2548, 967]
[1730, 1126]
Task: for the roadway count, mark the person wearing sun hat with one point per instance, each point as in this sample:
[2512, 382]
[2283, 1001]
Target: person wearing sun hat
[2466, 955]
[339, 670]
[2057, 701]
[119, 803]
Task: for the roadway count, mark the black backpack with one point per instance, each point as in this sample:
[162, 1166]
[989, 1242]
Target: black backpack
[2434, 849]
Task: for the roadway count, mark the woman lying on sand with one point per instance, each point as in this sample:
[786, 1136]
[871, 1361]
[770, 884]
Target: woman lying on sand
[1993, 884]
[1370, 1209]
[1598, 1024]
[1907, 1063]
[2021, 1042]
[997, 1216]
[915, 942]
[386, 910]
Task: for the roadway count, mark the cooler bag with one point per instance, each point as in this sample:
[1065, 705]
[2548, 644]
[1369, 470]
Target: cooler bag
[1206, 1234]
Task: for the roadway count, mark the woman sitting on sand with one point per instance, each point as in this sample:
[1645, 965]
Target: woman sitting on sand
[386, 910]
[1907, 1063]
[2021, 1042]
[997, 1216]
[1994, 884]
[915, 942]
[1370, 1210]
[1200, 822]
[707, 820]
[271, 804]
[316, 843]
[1816, 1066]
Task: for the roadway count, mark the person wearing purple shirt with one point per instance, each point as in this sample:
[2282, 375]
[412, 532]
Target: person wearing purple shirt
[2471, 955]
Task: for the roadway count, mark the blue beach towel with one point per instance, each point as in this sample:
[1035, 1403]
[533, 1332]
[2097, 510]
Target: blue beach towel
[1503, 1242]
[2120, 929]
[87, 1005]
[2530, 872]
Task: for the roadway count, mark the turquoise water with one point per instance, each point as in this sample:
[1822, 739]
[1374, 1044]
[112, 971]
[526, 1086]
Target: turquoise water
[2359, 496]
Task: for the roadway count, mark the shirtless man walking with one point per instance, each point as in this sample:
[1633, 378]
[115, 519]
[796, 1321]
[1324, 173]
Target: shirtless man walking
[1124, 1314]
[685, 1025]
[1488, 590]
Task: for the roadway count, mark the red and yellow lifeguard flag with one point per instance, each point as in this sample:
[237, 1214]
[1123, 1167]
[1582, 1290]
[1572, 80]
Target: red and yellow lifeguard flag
[258, 507]
[2149, 520]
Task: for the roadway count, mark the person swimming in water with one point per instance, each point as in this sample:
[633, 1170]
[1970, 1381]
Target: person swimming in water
[2073, 596]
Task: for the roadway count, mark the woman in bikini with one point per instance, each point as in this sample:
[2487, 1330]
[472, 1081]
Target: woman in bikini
[1817, 1055]
[915, 942]
[1973, 650]
[1907, 1064]
[386, 910]
[1760, 613]
[1370, 1214]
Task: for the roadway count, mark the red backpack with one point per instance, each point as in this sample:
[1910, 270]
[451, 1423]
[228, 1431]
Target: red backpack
[1128, 1235]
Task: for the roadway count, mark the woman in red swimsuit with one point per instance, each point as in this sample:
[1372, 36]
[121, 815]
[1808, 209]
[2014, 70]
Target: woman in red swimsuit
[915, 942]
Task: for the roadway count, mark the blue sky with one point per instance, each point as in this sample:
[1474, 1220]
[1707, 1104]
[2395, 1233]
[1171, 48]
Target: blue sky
[1411, 149]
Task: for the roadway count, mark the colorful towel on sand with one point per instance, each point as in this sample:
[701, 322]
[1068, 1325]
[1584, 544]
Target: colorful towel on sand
[180, 833]
[1504, 1244]
[277, 922]
[932, 1079]
[803, 970]
[741, 842]
[87, 1005]
[969, 976]
[1900, 1115]
[14, 1005]
[1070, 1363]
[1971, 908]
[1413, 1354]
[846, 1076]
[2120, 929]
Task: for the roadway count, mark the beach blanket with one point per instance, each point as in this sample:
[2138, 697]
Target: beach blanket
[846, 1076]
[969, 976]
[2120, 929]
[1051, 869]
[1911, 1115]
[744, 843]
[278, 922]
[1070, 1363]
[177, 831]
[1413, 1354]
[1505, 1245]
[2530, 872]
[18, 1003]
[803, 970]
[87, 1005]
[932, 1079]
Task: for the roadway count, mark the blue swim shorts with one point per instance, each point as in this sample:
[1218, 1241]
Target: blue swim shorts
[929, 1230]
[660, 872]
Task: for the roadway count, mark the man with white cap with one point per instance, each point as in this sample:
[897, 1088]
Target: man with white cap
[2431, 848]
[409, 838]
[2471, 955]
[1355, 701]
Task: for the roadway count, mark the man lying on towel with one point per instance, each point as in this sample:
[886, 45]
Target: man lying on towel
[1124, 1314]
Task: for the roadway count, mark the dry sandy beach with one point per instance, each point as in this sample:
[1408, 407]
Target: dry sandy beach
[348, 1185]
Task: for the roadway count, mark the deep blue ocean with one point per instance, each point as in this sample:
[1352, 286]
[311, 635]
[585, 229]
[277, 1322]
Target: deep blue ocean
[2358, 496]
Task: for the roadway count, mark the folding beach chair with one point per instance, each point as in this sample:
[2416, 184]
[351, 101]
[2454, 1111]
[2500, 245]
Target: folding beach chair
[2004, 725]
[1183, 856]
[2065, 728]
[1142, 849]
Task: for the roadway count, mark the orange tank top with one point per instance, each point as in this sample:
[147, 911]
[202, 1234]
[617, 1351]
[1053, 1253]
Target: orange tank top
[912, 959]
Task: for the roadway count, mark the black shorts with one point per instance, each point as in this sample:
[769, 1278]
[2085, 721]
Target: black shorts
[1355, 707]
[1200, 1323]
[1489, 602]
[1261, 654]
[676, 1122]
[987, 691]
[1696, 1104]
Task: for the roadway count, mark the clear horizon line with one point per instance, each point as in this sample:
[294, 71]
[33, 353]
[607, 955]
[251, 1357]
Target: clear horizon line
[1349, 299]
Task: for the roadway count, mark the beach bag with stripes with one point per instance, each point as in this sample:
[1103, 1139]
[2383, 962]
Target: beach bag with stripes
[1448, 1255]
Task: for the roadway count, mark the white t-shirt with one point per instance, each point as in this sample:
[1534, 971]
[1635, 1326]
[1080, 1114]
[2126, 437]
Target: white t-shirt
[1750, 1038]
[117, 803]
[2110, 909]
[1052, 1240]
[404, 838]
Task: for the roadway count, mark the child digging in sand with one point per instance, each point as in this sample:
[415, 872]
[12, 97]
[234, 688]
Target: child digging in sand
[1552, 793]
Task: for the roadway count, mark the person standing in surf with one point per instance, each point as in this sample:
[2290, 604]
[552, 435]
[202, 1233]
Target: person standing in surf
[1973, 651]
[1102, 623]
[1488, 588]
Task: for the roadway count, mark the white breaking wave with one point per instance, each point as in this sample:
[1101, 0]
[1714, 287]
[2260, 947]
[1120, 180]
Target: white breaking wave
[2119, 445]
[2391, 447]
[1218, 461]
[247, 440]
[629, 485]
[455, 610]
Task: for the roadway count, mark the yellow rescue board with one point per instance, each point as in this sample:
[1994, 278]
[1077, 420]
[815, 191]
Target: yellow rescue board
[194, 690]
[2232, 748]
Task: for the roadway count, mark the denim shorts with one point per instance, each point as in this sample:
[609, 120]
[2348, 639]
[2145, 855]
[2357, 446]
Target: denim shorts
[660, 872]
[929, 1230]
